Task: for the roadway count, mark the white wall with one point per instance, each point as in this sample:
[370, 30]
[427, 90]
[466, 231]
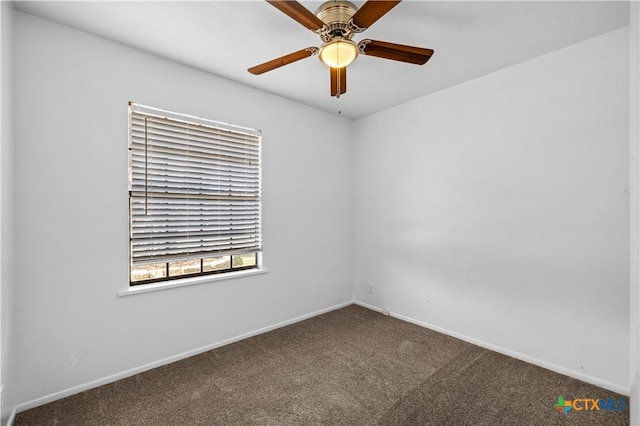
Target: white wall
[498, 210]
[6, 188]
[71, 93]
[634, 210]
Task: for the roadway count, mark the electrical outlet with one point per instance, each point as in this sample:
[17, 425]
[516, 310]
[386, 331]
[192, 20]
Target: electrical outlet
[370, 291]
[386, 312]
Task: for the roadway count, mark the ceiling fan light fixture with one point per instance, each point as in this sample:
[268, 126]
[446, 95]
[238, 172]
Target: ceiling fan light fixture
[338, 53]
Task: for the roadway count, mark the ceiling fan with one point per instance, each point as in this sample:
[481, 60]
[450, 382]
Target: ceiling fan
[336, 22]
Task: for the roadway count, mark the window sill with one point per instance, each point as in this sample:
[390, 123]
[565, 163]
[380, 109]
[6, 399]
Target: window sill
[146, 288]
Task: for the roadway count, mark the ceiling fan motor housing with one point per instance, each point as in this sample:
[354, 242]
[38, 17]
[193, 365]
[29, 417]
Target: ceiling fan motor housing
[336, 15]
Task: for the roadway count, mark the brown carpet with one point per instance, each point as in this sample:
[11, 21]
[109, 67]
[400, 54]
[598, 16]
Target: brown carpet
[351, 366]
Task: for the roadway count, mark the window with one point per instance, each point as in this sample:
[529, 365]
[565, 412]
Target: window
[194, 196]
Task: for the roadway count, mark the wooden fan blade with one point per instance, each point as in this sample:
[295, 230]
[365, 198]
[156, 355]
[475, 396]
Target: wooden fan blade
[299, 13]
[283, 60]
[396, 52]
[371, 11]
[338, 81]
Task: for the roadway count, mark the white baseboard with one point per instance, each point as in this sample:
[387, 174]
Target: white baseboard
[12, 414]
[12, 417]
[526, 358]
[124, 374]
[366, 305]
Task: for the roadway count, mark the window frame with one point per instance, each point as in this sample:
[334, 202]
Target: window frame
[169, 277]
[231, 271]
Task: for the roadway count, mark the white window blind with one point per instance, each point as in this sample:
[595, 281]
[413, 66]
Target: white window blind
[194, 187]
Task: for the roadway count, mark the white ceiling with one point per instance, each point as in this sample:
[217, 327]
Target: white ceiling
[470, 39]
